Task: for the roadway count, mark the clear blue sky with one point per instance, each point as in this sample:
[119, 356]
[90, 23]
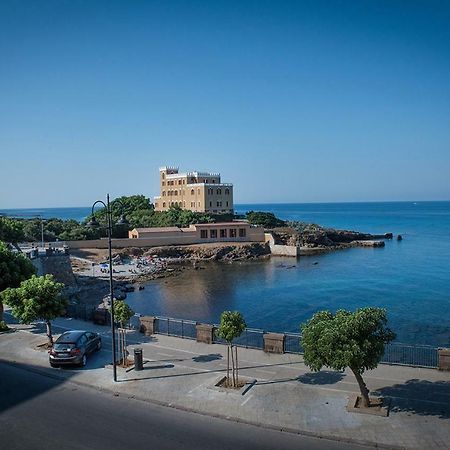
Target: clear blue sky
[291, 101]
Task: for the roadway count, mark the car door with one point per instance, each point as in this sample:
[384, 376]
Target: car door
[83, 344]
[91, 341]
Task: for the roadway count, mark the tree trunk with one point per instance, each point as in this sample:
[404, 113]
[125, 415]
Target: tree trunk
[1, 311]
[237, 369]
[232, 368]
[49, 333]
[362, 388]
[228, 363]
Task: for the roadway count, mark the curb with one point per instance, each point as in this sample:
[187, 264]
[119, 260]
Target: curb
[215, 415]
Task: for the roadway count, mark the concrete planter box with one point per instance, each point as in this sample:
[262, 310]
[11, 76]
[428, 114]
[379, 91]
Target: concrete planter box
[148, 325]
[205, 333]
[274, 342]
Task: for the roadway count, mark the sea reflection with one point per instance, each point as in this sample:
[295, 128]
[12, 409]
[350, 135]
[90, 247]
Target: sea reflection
[202, 293]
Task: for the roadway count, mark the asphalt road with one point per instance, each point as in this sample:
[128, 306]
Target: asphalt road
[38, 412]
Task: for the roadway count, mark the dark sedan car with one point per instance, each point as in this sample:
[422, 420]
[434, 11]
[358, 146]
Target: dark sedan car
[73, 347]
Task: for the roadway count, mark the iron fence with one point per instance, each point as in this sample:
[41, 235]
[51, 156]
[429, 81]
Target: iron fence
[410, 355]
[176, 327]
[395, 353]
[250, 338]
[292, 343]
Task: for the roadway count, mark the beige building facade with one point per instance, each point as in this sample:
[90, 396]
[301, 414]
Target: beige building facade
[201, 233]
[196, 191]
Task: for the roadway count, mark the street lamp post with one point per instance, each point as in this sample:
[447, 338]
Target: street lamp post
[93, 223]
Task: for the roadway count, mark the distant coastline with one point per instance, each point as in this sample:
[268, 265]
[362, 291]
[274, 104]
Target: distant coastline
[79, 213]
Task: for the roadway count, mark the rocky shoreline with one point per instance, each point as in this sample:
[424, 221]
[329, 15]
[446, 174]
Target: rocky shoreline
[312, 239]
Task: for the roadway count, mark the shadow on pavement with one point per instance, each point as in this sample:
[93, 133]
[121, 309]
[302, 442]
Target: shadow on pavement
[323, 377]
[207, 358]
[14, 391]
[422, 397]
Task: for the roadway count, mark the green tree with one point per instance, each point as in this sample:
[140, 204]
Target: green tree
[264, 219]
[14, 268]
[345, 339]
[38, 298]
[11, 230]
[232, 325]
[122, 312]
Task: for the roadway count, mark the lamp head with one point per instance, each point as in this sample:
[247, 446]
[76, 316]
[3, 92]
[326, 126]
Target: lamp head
[123, 220]
[93, 223]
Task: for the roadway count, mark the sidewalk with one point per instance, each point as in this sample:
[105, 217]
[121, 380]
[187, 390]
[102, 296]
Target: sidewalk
[182, 373]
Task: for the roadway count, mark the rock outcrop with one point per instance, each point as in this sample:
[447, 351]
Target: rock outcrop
[312, 238]
[212, 252]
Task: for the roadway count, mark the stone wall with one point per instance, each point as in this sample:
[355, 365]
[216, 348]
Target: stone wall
[58, 265]
[254, 234]
[281, 250]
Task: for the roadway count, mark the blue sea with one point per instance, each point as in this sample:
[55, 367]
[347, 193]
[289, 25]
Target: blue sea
[410, 278]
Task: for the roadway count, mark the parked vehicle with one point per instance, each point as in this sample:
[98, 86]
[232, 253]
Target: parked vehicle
[73, 347]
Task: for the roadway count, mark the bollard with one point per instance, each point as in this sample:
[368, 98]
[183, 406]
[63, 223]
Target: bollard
[138, 359]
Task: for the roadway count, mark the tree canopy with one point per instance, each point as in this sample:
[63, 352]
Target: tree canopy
[38, 298]
[122, 311]
[11, 230]
[264, 219]
[14, 268]
[346, 339]
[232, 325]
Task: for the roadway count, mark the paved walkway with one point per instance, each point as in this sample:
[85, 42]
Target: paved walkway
[182, 373]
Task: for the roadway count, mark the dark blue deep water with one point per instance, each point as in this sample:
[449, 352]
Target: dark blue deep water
[410, 278]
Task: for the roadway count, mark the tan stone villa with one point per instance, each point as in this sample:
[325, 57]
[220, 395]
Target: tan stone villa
[196, 191]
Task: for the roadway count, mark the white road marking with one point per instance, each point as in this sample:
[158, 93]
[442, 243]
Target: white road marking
[247, 399]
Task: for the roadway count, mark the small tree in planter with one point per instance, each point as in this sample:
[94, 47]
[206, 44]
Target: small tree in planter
[232, 325]
[122, 313]
[38, 298]
[345, 339]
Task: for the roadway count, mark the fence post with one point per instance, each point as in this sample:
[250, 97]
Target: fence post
[444, 358]
[205, 333]
[274, 342]
[147, 325]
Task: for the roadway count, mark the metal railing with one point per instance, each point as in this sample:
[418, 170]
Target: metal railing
[250, 338]
[169, 326]
[395, 353]
[410, 355]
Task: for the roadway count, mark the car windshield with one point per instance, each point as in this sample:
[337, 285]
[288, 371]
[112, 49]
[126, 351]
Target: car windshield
[63, 346]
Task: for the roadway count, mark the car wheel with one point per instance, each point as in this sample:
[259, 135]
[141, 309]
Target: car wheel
[83, 361]
[99, 346]
[53, 365]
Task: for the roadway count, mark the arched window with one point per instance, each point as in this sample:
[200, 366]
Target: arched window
[227, 191]
[192, 192]
[164, 204]
[219, 191]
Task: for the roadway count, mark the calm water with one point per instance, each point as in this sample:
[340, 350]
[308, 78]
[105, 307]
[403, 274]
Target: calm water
[410, 278]
[77, 213]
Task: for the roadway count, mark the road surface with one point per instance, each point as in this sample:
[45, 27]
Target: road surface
[38, 412]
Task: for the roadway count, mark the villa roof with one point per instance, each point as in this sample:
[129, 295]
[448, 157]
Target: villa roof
[222, 224]
[156, 229]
